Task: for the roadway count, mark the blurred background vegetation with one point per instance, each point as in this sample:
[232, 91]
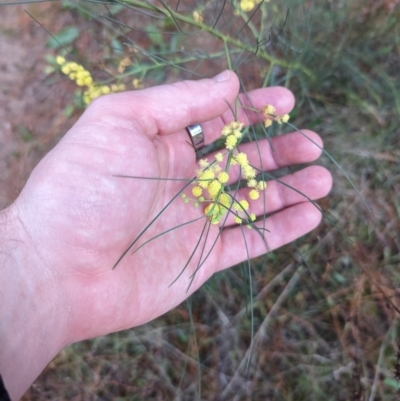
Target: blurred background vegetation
[326, 309]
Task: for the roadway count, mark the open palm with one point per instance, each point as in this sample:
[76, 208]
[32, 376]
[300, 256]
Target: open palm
[81, 216]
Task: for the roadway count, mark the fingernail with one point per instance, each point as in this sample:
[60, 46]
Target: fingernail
[223, 76]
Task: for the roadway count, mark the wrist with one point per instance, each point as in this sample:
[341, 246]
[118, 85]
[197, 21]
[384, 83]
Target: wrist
[32, 320]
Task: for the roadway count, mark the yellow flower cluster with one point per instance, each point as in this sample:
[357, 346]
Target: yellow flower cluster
[82, 77]
[211, 180]
[232, 132]
[125, 62]
[248, 5]
[270, 116]
[137, 83]
[249, 174]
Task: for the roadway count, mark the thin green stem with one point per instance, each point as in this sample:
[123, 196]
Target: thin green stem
[268, 76]
[228, 57]
[176, 16]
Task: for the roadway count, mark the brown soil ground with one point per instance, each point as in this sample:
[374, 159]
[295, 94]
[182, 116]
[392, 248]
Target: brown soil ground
[31, 119]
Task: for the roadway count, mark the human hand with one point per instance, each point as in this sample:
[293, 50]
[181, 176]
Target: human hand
[77, 217]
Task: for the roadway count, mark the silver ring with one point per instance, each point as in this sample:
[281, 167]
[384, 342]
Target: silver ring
[196, 135]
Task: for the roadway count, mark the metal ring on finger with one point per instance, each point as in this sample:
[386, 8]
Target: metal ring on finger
[196, 135]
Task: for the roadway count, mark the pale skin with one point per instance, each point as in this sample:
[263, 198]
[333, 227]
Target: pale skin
[74, 218]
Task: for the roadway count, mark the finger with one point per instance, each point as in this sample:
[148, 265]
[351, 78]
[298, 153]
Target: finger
[280, 151]
[281, 98]
[284, 150]
[240, 243]
[166, 109]
[313, 183]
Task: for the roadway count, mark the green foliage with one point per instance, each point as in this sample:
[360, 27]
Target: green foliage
[65, 37]
[25, 134]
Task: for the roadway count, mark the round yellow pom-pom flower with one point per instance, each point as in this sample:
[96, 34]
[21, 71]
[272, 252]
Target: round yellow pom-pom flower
[254, 194]
[88, 81]
[252, 183]
[231, 142]
[261, 185]
[213, 188]
[80, 75]
[236, 125]
[225, 201]
[238, 220]
[226, 131]
[237, 134]
[268, 110]
[252, 216]
[137, 84]
[219, 157]
[60, 60]
[203, 163]
[241, 158]
[229, 129]
[214, 212]
[282, 119]
[105, 90]
[247, 5]
[73, 66]
[223, 177]
[242, 205]
[66, 69]
[267, 123]
[249, 172]
[285, 118]
[205, 177]
[197, 191]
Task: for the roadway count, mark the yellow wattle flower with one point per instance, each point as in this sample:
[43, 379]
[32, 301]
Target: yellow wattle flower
[214, 188]
[249, 172]
[60, 60]
[231, 141]
[262, 185]
[204, 177]
[238, 220]
[225, 200]
[197, 191]
[214, 212]
[223, 177]
[254, 194]
[219, 157]
[241, 158]
[203, 163]
[252, 183]
[213, 178]
[267, 123]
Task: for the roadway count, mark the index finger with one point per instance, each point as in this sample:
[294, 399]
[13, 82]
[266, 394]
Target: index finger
[168, 109]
